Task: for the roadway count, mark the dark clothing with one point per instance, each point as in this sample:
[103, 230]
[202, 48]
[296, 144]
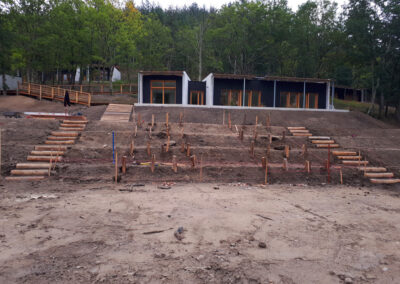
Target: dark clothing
[66, 99]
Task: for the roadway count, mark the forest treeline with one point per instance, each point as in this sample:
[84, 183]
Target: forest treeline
[357, 45]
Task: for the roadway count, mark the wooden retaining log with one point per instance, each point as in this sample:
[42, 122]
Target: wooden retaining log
[25, 178]
[385, 181]
[296, 128]
[326, 145]
[61, 138]
[355, 163]
[299, 131]
[323, 141]
[379, 175]
[348, 157]
[344, 153]
[75, 121]
[65, 133]
[373, 169]
[302, 134]
[47, 153]
[33, 165]
[319, 137]
[52, 142]
[50, 148]
[44, 158]
[28, 172]
[72, 129]
[71, 125]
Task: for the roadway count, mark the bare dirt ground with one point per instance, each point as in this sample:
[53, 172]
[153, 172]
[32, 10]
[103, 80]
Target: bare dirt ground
[79, 227]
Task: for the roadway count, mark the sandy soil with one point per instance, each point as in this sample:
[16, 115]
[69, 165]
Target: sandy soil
[79, 227]
[105, 233]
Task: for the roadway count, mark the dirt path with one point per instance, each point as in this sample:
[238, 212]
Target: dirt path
[98, 233]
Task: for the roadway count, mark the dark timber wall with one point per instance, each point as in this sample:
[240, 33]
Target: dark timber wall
[146, 86]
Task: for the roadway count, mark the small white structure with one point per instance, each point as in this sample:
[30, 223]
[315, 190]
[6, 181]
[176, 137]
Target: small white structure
[116, 74]
[11, 82]
[77, 74]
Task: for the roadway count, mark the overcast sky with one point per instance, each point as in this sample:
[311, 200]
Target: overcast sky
[218, 3]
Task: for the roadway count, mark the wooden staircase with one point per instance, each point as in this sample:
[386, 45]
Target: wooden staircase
[44, 158]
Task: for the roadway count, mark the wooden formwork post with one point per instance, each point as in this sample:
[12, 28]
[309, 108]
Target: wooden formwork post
[263, 162]
[168, 141]
[168, 131]
[152, 120]
[123, 164]
[341, 175]
[116, 167]
[188, 150]
[287, 151]
[148, 148]
[266, 174]
[174, 164]
[285, 164]
[166, 119]
[252, 148]
[193, 160]
[153, 162]
[132, 148]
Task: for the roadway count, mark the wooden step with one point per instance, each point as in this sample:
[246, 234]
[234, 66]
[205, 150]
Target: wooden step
[47, 153]
[319, 138]
[299, 131]
[302, 134]
[52, 142]
[51, 148]
[71, 125]
[326, 145]
[373, 169]
[379, 175]
[33, 165]
[25, 178]
[355, 163]
[385, 181]
[323, 141]
[72, 129]
[75, 121]
[24, 172]
[65, 133]
[344, 153]
[296, 128]
[61, 138]
[44, 158]
[349, 157]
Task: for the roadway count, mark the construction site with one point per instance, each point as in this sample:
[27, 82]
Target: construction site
[124, 193]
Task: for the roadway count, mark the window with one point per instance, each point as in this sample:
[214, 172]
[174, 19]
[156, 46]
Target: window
[196, 98]
[312, 100]
[163, 92]
[289, 99]
[231, 97]
[253, 98]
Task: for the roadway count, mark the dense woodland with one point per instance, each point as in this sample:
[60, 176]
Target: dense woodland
[357, 45]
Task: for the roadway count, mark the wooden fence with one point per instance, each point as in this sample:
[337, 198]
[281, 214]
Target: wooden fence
[103, 89]
[54, 93]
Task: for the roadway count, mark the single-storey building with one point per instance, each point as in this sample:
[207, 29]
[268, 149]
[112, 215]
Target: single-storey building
[175, 87]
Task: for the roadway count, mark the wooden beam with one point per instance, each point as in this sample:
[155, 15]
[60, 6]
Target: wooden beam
[29, 172]
[25, 178]
[32, 165]
[378, 175]
[385, 181]
[344, 153]
[373, 169]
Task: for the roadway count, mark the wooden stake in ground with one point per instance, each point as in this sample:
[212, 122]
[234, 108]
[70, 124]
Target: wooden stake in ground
[183, 146]
[167, 131]
[136, 130]
[152, 120]
[148, 149]
[123, 164]
[308, 166]
[252, 148]
[193, 160]
[116, 167]
[255, 132]
[285, 164]
[266, 174]
[168, 141]
[174, 164]
[166, 119]
[188, 150]
[153, 162]
[263, 162]
[132, 148]
[341, 175]
[287, 151]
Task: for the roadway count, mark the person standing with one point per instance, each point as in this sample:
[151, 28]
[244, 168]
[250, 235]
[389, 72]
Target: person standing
[67, 102]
